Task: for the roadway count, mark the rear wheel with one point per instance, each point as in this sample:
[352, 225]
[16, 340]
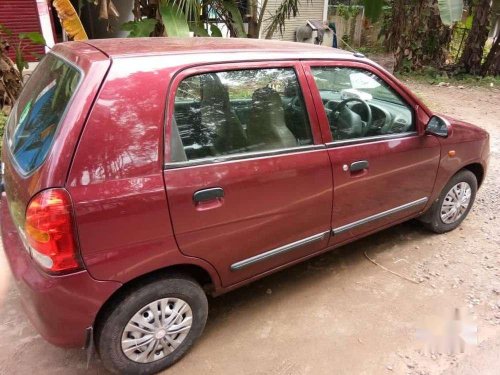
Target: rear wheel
[454, 203]
[152, 326]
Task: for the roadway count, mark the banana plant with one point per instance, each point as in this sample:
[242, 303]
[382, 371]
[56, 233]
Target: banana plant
[11, 72]
[174, 20]
[19, 47]
[373, 9]
[140, 28]
[70, 21]
[450, 11]
[171, 19]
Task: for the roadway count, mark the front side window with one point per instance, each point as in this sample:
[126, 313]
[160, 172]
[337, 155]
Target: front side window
[39, 110]
[238, 111]
[360, 104]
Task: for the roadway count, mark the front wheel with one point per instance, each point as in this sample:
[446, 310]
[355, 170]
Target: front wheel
[454, 203]
[152, 326]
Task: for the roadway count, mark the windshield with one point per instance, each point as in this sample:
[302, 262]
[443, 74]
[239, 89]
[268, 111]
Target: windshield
[38, 112]
[355, 80]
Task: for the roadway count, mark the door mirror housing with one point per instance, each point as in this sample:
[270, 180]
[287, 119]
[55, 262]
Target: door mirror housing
[438, 126]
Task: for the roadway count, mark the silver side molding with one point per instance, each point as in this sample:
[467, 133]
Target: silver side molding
[366, 220]
[321, 236]
[278, 251]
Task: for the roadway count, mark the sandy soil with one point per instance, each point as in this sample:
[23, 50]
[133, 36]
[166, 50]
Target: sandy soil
[340, 313]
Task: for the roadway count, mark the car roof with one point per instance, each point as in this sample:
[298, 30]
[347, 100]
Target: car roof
[125, 47]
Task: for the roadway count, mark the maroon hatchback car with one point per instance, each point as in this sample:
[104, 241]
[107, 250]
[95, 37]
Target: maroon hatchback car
[140, 175]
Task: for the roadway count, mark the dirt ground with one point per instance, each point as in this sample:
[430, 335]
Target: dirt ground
[339, 313]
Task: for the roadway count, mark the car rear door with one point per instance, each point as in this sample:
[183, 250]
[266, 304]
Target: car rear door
[383, 172]
[248, 190]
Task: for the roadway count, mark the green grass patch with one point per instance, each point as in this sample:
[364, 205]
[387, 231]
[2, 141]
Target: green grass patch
[435, 77]
[375, 49]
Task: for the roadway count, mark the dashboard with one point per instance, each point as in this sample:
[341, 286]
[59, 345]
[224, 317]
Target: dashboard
[387, 117]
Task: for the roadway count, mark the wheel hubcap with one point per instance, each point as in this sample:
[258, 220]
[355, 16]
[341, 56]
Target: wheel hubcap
[456, 203]
[157, 330]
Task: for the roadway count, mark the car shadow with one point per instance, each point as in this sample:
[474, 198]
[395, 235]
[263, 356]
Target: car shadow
[307, 275]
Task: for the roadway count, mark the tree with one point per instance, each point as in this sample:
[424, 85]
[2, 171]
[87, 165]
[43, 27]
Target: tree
[419, 31]
[474, 44]
[418, 35]
[286, 9]
[491, 65]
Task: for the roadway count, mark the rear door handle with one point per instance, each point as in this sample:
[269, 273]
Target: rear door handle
[205, 195]
[359, 165]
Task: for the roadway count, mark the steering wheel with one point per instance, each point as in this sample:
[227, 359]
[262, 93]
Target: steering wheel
[296, 104]
[337, 113]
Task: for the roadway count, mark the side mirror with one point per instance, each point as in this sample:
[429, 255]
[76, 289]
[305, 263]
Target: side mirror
[438, 126]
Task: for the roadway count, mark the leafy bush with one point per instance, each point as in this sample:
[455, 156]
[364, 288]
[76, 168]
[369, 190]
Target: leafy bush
[3, 120]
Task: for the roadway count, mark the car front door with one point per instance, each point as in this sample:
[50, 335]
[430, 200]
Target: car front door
[383, 164]
[248, 177]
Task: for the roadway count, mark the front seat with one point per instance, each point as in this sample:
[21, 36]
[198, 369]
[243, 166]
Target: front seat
[218, 119]
[267, 127]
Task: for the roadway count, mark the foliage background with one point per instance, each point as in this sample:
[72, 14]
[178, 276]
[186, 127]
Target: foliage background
[3, 120]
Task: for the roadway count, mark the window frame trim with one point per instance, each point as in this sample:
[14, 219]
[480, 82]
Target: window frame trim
[310, 108]
[388, 80]
[243, 156]
[375, 138]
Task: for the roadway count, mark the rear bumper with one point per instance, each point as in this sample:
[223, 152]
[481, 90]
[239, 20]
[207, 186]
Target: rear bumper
[60, 307]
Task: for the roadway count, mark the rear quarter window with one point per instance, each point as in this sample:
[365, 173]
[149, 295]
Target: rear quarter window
[39, 111]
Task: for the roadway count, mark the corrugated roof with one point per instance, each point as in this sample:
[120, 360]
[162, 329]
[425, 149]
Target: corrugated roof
[21, 16]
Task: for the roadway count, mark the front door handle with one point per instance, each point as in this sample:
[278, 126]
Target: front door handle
[205, 195]
[359, 165]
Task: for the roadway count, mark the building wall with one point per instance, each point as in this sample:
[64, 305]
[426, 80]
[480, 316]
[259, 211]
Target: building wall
[21, 16]
[308, 10]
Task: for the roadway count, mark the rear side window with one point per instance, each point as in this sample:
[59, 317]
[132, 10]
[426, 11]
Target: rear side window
[238, 111]
[38, 112]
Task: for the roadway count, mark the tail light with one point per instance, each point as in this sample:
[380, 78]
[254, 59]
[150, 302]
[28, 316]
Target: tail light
[50, 232]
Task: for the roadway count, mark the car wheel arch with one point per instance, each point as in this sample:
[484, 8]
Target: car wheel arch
[195, 272]
[478, 171]
[475, 168]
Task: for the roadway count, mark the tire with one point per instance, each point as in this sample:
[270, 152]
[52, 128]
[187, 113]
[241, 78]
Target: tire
[113, 330]
[433, 220]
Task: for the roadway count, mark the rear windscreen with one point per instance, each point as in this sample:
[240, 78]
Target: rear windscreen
[38, 112]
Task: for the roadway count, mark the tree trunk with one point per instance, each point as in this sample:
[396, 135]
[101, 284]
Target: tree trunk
[397, 23]
[478, 34]
[423, 40]
[253, 23]
[491, 65]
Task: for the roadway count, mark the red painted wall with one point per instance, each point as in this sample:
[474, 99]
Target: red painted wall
[21, 16]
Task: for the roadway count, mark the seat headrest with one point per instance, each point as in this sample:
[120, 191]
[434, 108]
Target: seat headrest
[266, 96]
[212, 90]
